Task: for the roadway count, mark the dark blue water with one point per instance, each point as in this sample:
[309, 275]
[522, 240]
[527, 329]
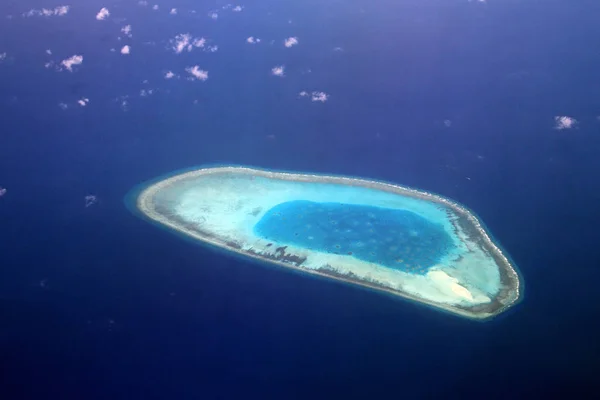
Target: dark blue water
[97, 304]
[397, 239]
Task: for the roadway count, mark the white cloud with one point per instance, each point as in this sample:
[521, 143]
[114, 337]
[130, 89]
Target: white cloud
[315, 96]
[237, 8]
[61, 10]
[173, 11]
[142, 3]
[123, 102]
[291, 41]
[49, 52]
[84, 101]
[197, 73]
[126, 30]
[278, 70]
[169, 75]
[48, 12]
[102, 14]
[213, 15]
[199, 42]
[319, 96]
[564, 122]
[90, 200]
[253, 40]
[146, 92]
[2, 57]
[182, 42]
[125, 50]
[71, 61]
[185, 41]
[155, 7]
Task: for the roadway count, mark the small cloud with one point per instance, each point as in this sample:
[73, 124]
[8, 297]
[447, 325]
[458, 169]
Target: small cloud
[213, 15]
[253, 40]
[197, 73]
[102, 14]
[564, 122]
[237, 8]
[185, 41]
[123, 102]
[3, 56]
[63, 106]
[291, 41]
[49, 52]
[173, 11]
[146, 92]
[70, 62]
[169, 75]
[142, 3]
[125, 50]
[447, 123]
[338, 49]
[2, 191]
[315, 96]
[319, 96]
[59, 11]
[126, 30]
[199, 42]
[83, 102]
[181, 42]
[278, 70]
[155, 7]
[90, 200]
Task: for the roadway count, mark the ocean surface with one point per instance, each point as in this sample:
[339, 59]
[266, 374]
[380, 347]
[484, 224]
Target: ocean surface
[493, 104]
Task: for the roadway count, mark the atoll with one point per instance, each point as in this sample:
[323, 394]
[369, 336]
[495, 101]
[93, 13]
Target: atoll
[393, 239]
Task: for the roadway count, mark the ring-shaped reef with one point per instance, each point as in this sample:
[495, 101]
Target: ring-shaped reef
[393, 239]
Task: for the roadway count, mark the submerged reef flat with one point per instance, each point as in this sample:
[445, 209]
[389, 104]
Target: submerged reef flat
[398, 240]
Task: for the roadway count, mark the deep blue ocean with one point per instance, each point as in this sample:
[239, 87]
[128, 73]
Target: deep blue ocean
[461, 98]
